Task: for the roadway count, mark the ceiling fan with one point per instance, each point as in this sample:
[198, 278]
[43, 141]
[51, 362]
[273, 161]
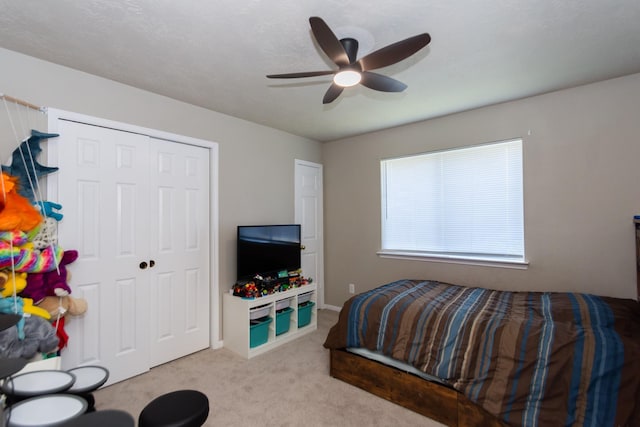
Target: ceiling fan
[350, 71]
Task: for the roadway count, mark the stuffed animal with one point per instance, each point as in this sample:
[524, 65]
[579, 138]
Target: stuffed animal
[29, 308]
[29, 260]
[14, 306]
[15, 237]
[18, 212]
[25, 166]
[38, 336]
[8, 255]
[58, 308]
[47, 234]
[63, 306]
[48, 209]
[50, 283]
[15, 281]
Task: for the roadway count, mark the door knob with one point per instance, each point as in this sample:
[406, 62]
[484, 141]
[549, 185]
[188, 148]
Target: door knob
[152, 263]
[143, 265]
[303, 247]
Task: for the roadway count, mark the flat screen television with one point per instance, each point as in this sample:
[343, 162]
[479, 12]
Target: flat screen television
[267, 249]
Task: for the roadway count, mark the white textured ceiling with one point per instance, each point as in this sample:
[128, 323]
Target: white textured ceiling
[216, 53]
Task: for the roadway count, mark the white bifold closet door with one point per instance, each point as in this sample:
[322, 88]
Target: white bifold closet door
[137, 210]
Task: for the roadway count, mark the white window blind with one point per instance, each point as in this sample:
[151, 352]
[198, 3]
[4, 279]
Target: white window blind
[464, 203]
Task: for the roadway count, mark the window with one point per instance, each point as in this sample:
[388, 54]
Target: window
[461, 204]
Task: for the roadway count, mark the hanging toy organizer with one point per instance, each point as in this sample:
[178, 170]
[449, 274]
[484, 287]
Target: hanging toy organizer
[33, 277]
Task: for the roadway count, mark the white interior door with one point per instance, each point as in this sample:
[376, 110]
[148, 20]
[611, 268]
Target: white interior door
[105, 201]
[179, 290]
[308, 213]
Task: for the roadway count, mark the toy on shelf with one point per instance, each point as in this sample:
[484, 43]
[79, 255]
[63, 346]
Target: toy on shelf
[263, 286]
[246, 290]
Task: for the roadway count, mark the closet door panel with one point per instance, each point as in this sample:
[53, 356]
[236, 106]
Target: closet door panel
[124, 316]
[165, 297]
[88, 349]
[87, 215]
[179, 290]
[103, 188]
[192, 284]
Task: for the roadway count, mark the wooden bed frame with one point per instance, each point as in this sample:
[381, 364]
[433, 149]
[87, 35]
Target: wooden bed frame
[433, 400]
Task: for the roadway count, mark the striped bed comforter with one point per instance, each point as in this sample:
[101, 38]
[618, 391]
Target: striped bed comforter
[529, 358]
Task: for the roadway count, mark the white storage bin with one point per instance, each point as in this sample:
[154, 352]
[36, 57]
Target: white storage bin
[259, 312]
[282, 304]
[302, 298]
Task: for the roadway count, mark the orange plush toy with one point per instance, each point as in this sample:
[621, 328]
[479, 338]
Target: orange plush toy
[18, 213]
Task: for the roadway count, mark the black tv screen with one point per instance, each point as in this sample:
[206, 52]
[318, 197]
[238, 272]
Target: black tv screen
[267, 249]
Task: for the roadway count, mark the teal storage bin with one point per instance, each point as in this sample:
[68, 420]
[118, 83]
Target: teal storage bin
[304, 313]
[283, 319]
[259, 331]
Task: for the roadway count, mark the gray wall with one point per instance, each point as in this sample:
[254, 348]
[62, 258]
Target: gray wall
[581, 151]
[256, 175]
[581, 190]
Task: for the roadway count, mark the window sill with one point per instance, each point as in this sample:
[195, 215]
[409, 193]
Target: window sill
[456, 259]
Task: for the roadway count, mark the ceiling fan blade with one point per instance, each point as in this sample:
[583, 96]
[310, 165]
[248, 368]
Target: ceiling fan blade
[301, 74]
[328, 42]
[332, 93]
[395, 52]
[382, 83]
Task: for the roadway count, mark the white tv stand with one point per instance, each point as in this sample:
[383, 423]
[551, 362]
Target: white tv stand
[236, 320]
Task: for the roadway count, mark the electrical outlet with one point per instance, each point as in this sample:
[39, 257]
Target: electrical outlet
[352, 288]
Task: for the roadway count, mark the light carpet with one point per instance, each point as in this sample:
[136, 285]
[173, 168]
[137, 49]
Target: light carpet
[288, 386]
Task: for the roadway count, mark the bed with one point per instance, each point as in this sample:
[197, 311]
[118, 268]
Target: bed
[469, 356]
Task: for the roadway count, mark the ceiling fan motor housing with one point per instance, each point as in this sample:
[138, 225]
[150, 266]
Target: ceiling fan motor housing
[351, 47]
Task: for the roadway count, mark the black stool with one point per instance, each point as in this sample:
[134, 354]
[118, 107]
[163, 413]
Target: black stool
[182, 408]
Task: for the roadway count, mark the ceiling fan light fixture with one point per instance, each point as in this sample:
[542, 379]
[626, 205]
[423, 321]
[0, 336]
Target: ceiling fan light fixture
[347, 78]
[352, 71]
